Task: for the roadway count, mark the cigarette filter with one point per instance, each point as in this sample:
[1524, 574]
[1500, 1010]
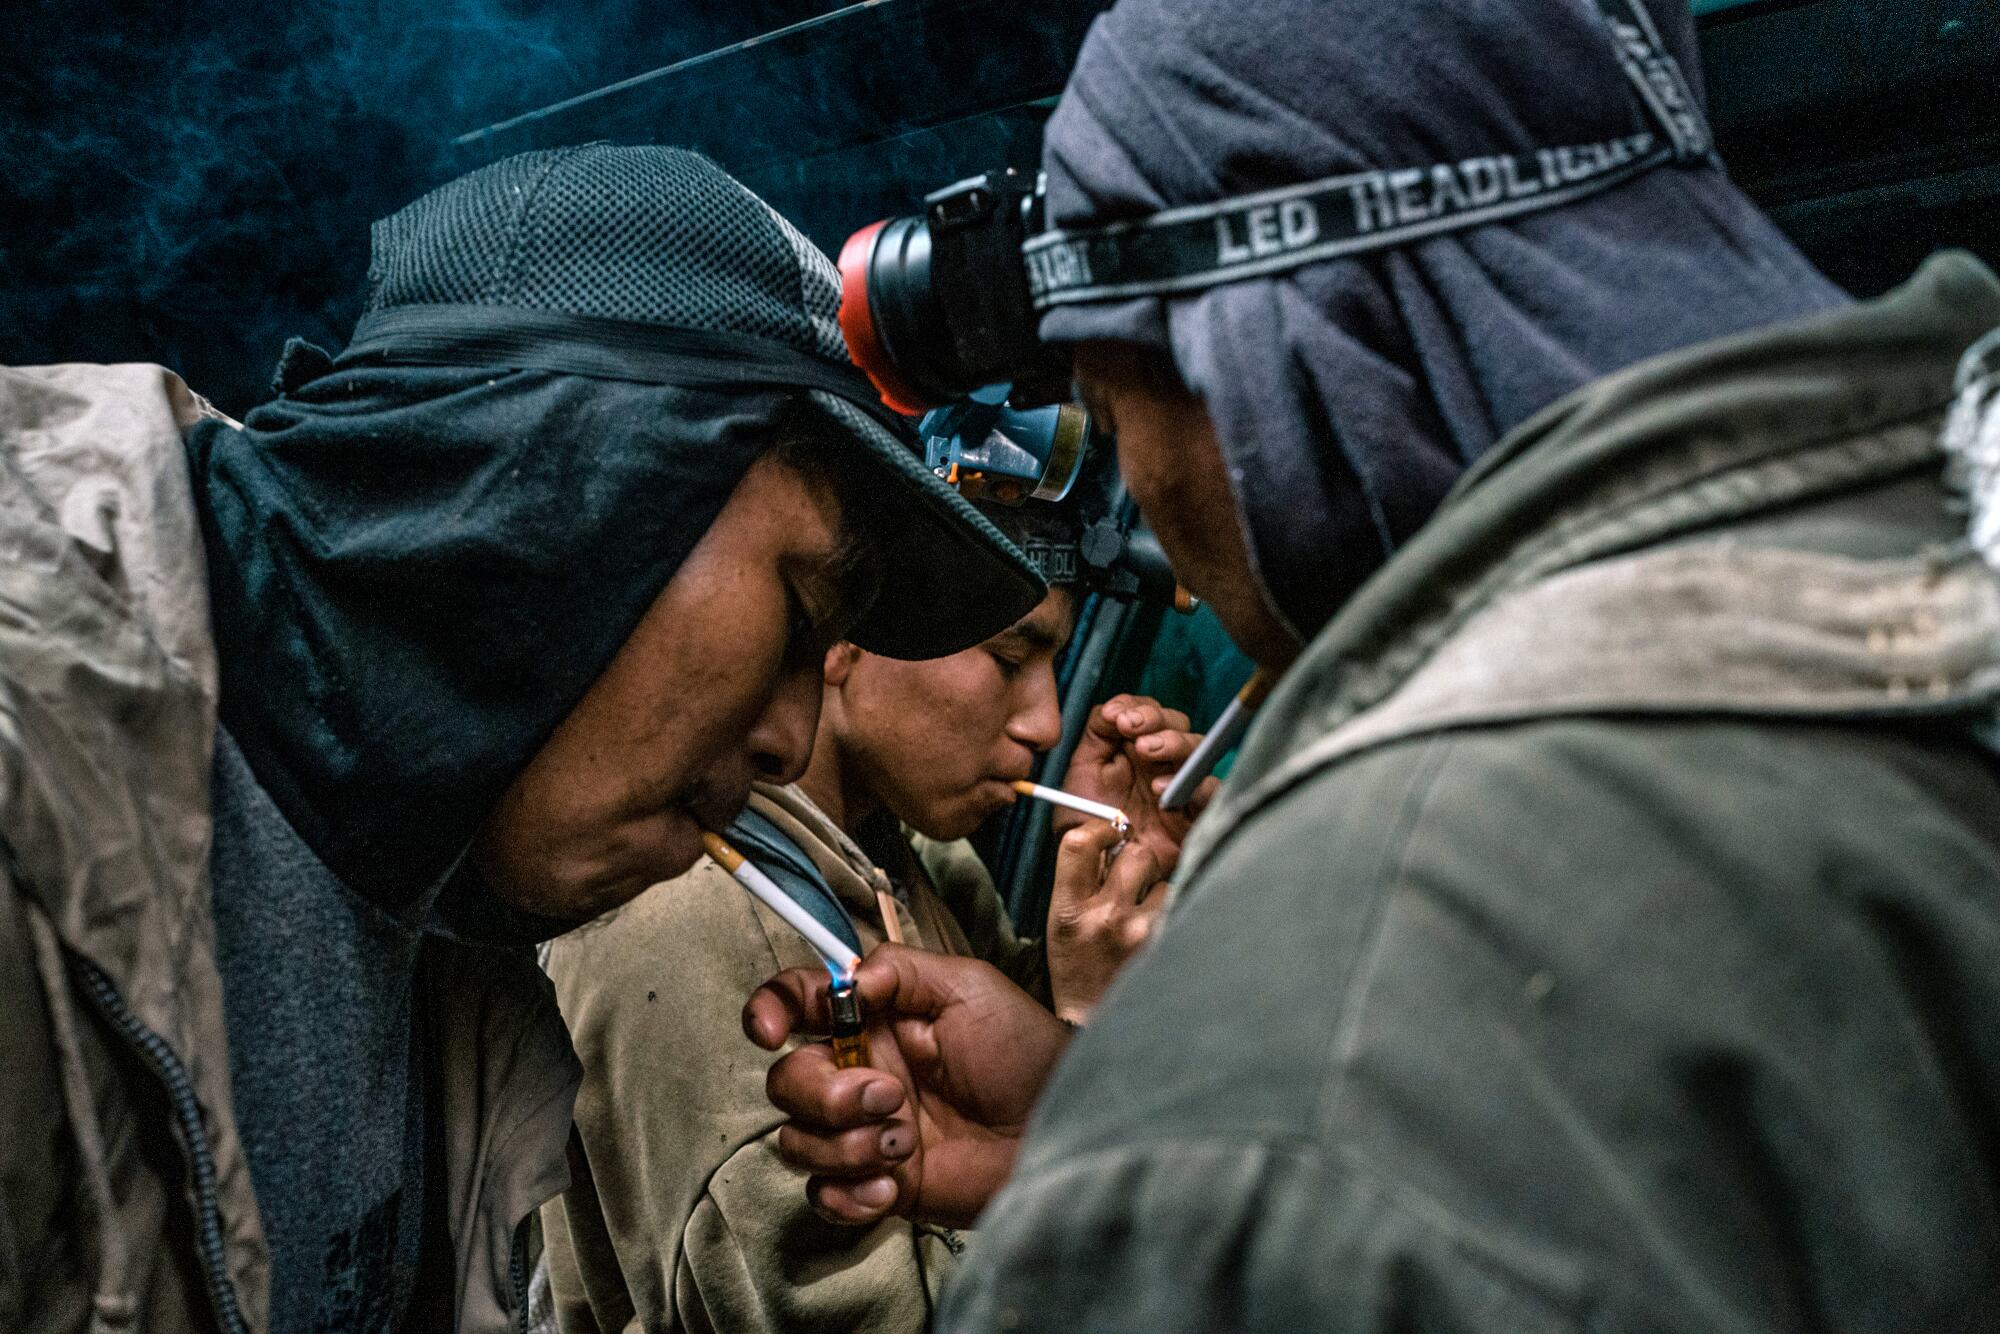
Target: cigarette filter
[840, 960]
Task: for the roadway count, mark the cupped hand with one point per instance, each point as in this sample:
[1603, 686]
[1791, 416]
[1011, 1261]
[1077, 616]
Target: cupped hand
[1101, 913]
[929, 1129]
[1130, 748]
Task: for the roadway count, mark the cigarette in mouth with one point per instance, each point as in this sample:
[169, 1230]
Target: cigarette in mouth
[840, 960]
[1056, 797]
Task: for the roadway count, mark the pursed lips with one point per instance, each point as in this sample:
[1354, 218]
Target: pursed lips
[1003, 788]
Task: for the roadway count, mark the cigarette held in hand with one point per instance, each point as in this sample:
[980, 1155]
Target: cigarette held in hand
[840, 960]
[1221, 739]
[1056, 797]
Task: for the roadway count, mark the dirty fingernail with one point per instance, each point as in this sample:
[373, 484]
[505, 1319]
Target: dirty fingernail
[895, 1143]
[875, 1193]
[881, 1098]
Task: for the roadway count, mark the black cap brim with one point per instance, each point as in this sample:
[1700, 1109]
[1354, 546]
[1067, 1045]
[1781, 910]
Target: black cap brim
[952, 579]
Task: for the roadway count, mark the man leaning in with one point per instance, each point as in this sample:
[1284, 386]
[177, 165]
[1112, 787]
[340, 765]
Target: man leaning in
[683, 1213]
[308, 723]
[1601, 927]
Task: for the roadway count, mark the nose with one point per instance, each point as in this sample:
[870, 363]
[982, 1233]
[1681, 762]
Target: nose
[782, 737]
[1037, 718]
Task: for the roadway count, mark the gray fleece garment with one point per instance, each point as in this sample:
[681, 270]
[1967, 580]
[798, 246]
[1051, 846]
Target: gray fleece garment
[319, 990]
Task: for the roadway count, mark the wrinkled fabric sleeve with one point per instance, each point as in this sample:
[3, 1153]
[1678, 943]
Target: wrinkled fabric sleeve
[573, 1227]
[1619, 1025]
[1178, 1179]
[966, 888]
[44, 1236]
[754, 1257]
[1188, 1237]
[683, 1216]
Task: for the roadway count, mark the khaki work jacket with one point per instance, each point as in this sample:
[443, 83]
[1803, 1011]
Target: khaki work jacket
[128, 1201]
[683, 1217]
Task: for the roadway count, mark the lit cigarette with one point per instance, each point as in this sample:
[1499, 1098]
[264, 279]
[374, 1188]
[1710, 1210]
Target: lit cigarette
[1221, 739]
[1056, 797]
[832, 948]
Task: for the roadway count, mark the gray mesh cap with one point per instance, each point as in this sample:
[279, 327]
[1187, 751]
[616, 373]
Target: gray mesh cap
[652, 264]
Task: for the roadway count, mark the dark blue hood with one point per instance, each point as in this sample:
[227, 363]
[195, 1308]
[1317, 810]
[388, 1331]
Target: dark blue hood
[423, 552]
[1349, 395]
[416, 572]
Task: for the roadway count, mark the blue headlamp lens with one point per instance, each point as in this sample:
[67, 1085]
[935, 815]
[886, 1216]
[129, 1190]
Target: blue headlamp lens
[992, 452]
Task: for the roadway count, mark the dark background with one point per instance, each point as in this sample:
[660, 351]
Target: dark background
[192, 184]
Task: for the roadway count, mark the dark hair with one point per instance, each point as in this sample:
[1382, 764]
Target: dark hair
[831, 461]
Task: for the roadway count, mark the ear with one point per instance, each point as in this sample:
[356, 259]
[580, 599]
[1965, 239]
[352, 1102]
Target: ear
[840, 660]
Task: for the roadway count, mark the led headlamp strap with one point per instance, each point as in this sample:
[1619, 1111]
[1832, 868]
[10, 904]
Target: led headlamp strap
[1201, 245]
[1656, 77]
[1057, 562]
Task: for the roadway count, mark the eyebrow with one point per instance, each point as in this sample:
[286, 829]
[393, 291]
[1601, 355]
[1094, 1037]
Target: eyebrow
[1032, 635]
[851, 570]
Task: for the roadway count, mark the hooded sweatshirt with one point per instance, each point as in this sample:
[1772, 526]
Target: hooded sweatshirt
[1349, 395]
[1597, 930]
[416, 567]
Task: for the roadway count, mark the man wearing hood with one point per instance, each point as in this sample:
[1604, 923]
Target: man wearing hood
[1601, 928]
[308, 724]
[681, 1215]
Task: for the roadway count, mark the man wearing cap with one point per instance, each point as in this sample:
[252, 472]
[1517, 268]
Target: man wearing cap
[1601, 926]
[686, 1216]
[308, 723]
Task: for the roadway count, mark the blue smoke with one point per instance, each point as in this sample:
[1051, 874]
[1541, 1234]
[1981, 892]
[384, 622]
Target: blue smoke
[193, 183]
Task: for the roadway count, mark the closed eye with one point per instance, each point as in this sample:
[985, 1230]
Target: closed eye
[1010, 666]
[806, 640]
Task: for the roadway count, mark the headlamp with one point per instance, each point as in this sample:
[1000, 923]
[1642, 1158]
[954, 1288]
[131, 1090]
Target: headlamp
[936, 304]
[994, 452]
[1011, 456]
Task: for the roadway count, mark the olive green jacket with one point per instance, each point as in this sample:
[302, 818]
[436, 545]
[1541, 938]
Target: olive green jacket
[125, 1196]
[1601, 929]
[682, 1215]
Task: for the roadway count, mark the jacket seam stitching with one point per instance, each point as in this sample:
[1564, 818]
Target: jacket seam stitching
[1389, 890]
[211, 1244]
[77, 1104]
[721, 1217]
[501, 289]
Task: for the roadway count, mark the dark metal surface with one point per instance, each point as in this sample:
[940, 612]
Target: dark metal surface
[1868, 126]
[870, 71]
[844, 118]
